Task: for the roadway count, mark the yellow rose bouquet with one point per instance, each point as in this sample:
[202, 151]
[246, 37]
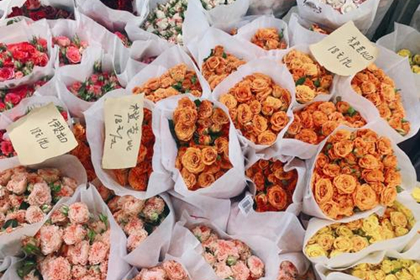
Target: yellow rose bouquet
[259, 97]
[356, 171]
[342, 244]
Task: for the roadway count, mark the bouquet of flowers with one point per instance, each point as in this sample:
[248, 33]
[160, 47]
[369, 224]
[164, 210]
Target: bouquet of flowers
[258, 108]
[310, 77]
[95, 86]
[218, 65]
[124, 38]
[230, 259]
[70, 50]
[19, 59]
[201, 132]
[210, 4]
[177, 80]
[6, 147]
[167, 270]
[274, 185]
[82, 151]
[377, 87]
[166, 20]
[343, 6]
[288, 271]
[28, 195]
[355, 171]
[315, 122]
[318, 29]
[269, 39]
[124, 5]
[34, 10]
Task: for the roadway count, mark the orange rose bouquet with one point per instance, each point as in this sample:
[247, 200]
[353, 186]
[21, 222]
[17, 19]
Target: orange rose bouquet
[355, 171]
[259, 98]
[172, 73]
[313, 81]
[266, 32]
[340, 244]
[148, 178]
[200, 147]
[316, 121]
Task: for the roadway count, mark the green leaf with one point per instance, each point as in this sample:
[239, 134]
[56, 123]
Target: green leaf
[91, 236]
[210, 55]
[301, 81]
[399, 189]
[26, 268]
[10, 223]
[224, 55]
[178, 86]
[404, 121]
[24, 205]
[351, 111]
[317, 83]
[104, 219]
[31, 249]
[397, 90]
[194, 79]
[65, 210]
[328, 147]
[55, 188]
[197, 102]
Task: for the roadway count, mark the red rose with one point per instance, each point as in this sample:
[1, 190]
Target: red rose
[42, 42]
[22, 91]
[41, 59]
[12, 98]
[2, 107]
[6, 73]
[37, 15]
[16, 11]
[6, 147]
[64, 114]
[20, 55]
[73, 55]
[32, 4]
[2, 132]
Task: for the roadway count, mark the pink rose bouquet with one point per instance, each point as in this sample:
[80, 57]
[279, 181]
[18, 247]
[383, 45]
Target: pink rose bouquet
[70, 50]
[288, 271]
[11, 97]
[138, 218]
[230, 259]
[168, 270]
[73, 244]
[96, 85]
[19, 59]
[28, 195]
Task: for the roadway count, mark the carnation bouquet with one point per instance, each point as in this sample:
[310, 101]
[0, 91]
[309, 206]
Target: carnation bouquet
[355, 170]
[259, 97]
[170, 269]
[80, 239]
[266, 32]
[148, 178]
[343, 243]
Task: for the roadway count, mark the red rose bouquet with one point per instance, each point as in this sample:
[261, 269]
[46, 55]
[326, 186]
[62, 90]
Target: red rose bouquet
[70, 50]
[35, 11]
[124, 5]
[6, 147]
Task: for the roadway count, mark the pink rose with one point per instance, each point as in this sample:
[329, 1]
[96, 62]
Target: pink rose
[16, 200]
[62, 41]
[74, 233]
[2, 106]
[134, 224]
[19, 74]
[174, 270]
[78, 271]
[133, 206]
[32, 4]
[51, 239]
[79, 253]
[96, 90]
[209, 258]
[153, 208]
[58, 269]
[201, 232]
[223, 271]
[50, 175]
[84, 44]
[75, 87]
[58, 217]
[73, 55]
[65, 191]
[98, 252]
[240, 271]
[12, 98]
[256, 267]
[7, 148]
[225, 249]
[6, 73]
[41, 59]
[155, 273]
[94, 78]
[79, 213]
[243, 249]
[18, 215]
[34, 214]
[18, 183]
[40, 195]
[134, 240]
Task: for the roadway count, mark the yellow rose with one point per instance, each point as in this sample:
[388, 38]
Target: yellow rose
[370, 275]
[343, 244]
[387, 233]
[370, 224]
[404, 274]
[387, 224]
[325, 241]
[398, 219]
[406, 263]
[379, 275]
[335, 253]
[359, 243]
[415, 270]
[315, 251]
[355, 225]
[396, 264]
[416, 194]
[359, 274]
[391, 277]
[387, 266]
[400, 231]
[344, 231]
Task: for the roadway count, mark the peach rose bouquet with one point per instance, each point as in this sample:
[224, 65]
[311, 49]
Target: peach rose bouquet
[199, 147]
[79, 240]
[170, 269]
[259, 98]
[341, 244]
[356, 171]
[148, 178]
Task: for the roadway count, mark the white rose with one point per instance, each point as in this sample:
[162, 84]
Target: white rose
[162, 24]
[348, 7]
[160, 14]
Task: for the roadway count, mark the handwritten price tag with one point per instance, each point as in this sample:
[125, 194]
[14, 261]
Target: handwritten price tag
[346, 51]
[123, 127]
[40, 135]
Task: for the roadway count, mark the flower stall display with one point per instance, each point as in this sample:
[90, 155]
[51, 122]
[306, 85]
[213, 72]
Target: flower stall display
[70, 49]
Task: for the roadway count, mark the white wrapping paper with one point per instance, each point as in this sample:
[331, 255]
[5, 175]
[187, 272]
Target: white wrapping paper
[159, 181]
[298, 259]
[300, 33]
[404, 37]
[225, 13]
[398, 69]
[229, 185]
[347, 259]
[408, 175]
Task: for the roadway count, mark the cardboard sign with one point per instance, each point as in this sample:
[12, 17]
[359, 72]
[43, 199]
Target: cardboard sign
[123, 127]
[40, 135]
[346, 51]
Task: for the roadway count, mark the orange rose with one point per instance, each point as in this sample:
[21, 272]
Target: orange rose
[340, 135]
[138, 179]
[186, 116]
[206, 179]
[222, 146]
[342, 106]
[189, 179]
[321, 161]
[393, 177]
[279, 120]
[373, 175]
[259, 124]
[261, 201]
[266, 138]
[369, 162]
[323, 191]
[255, 107]
[388, 195]
[205, 110]
[219, 117]
[327, 108]
[390, 161]
[244, 114]
[328, 127]
[185, 103]
[178, 72]
[330, 209]
[343, 148]
[365, 197]
[306, 119]
[295, 126]
[319, 118]
[277, 197]
[345, 184]
[242, 92]
[259, 181]
[121, 176]
[331, 170]
[304, 94]
[384, 146]
[212, 62]
[209, 155]
[229, 101]
[308, 136]
[345, 204]
[191, 160]
[184, 132]
[261, 84]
